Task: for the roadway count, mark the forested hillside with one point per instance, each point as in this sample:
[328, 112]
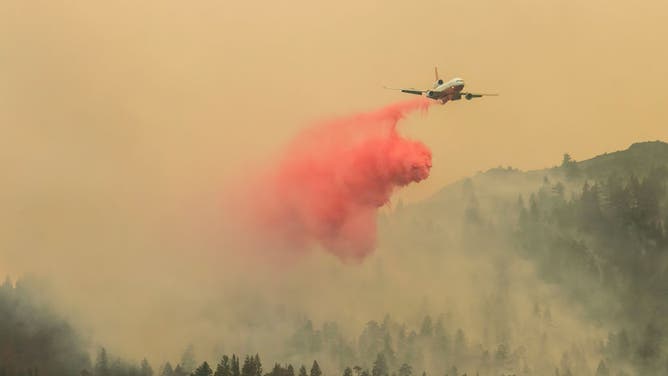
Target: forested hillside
[561, 271]
[596, 229]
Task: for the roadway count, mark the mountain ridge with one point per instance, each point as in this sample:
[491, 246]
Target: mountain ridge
[637, 159]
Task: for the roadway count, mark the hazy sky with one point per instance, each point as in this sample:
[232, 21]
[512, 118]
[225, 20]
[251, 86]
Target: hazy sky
[166, 92]
[119, 117]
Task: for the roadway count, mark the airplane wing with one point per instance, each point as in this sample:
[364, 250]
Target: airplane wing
[409, 91]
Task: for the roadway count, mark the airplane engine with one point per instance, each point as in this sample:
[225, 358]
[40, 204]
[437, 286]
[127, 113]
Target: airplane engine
[469, 96]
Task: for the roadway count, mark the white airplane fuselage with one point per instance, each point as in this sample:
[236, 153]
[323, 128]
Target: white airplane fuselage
[446, 91]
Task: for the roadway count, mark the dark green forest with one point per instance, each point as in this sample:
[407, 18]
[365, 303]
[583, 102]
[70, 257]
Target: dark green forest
[596, 229]
[33, 339]
[607, 245]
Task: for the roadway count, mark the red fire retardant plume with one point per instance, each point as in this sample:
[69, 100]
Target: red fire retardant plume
[326, 187]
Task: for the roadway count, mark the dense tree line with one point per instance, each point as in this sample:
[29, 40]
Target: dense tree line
[597, 229]
[380, 367]
[33, 339]
[34, 342]
[385, 348]
[107, 365]
[607, 245]
[599, 232]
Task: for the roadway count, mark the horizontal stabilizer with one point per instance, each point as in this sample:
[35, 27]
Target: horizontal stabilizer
[470, 96]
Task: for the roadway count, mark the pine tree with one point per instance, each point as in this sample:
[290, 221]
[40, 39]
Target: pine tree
[235, 366]
[570, 167]
[258, 365]
[223, 368]
[203, 370]
[388, 351]
[379, 366]
[102, 363]
[348, 372]
[145, 369]
[178, 371]
[534, 212]
[427, 329]
[302, 371]
[167, 370]
[188, 362]
[405, 370]
[315, 369]
[248, 369]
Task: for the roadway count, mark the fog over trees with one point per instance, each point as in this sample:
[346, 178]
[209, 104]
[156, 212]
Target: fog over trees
[34, 340]
[566, 270]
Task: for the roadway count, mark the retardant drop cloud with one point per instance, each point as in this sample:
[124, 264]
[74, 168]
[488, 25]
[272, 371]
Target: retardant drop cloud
[326, 187]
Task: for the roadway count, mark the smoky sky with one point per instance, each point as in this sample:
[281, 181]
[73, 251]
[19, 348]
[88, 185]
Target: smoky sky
[122, 122]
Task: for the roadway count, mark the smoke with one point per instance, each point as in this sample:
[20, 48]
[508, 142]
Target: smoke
[327, 185]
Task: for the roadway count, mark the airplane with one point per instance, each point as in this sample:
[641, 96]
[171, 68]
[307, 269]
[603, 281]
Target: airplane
[444, 91]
